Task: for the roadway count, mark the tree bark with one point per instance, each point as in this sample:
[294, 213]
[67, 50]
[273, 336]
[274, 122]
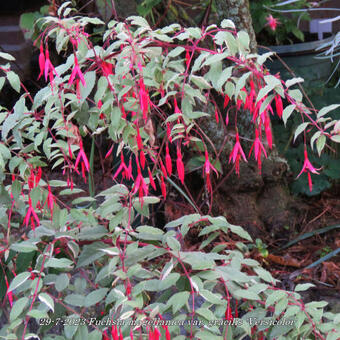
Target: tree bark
[238, 11]
[257, 201]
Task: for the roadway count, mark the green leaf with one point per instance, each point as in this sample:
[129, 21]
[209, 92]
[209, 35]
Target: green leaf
[6, 56]
[62, 282]
[287, 112]
[173, 243]
[300, 129]
[227, 23]
[23, 247]
[139, 21]
[18, 307]
[293, 81]
[90, 78]
[239, 231]
[274, 297]
[320, 144]
[14, 80]
[59, 263]
[149, 230]
[75, 300]
[301, 287]
[206, 313]
[47, 300]
[178, 300]
[264, 274]
[327, 109]
[95, 297]
[91, 253]
[246, 294]
[19, 280]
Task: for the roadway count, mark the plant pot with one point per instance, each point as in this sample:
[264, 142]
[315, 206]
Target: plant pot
[301, 59]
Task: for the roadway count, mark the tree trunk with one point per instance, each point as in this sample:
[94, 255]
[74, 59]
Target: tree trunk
[238, 11]
[256, 201]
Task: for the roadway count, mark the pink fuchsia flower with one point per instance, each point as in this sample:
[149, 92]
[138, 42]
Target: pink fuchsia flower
[41, 61]
[127, 171]
[85, 163]
[152, 182]
[140, 185]
[163, 187]
[236, 154]
[31, 215]
[50, 200]
[49, 69]
[258, 149]
[180, 165]
[177, 109]
[206, 170]
[168, 161]
[309, 168]
[272, 22]
[76, 73]
[268, 130]
[143, 95]
[279, 105]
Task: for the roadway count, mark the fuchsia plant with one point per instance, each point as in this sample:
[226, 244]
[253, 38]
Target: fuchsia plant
[145, 91]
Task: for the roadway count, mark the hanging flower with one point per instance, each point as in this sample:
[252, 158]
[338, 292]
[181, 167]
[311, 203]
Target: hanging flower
[268, 131]
[84, 163]
[76, 73]
[107, 68]
[258, 148]
[168, 161]
[206, 170]
[50, 200]
[143, 95]
[216, 116]
[226, 101]
[127, 171]
[272, 22]
[114, 332]
[165, 174]
[236, 154]
[152, 182]
[279, 106]
[180, 165]
[163, 187]
[177, 110]
[309, 168]
[42, 61]
[140, 186]
[49, 68]
[31, 215]
[228, 313]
